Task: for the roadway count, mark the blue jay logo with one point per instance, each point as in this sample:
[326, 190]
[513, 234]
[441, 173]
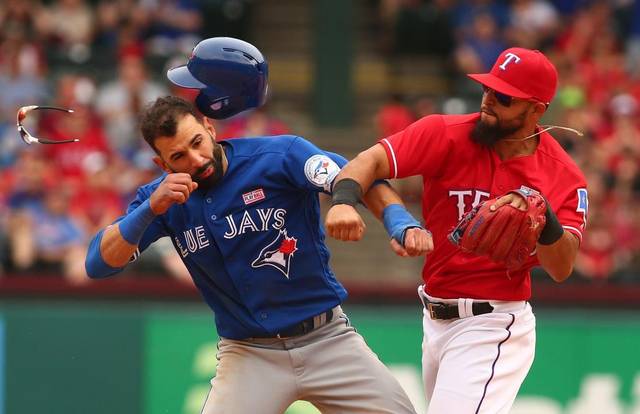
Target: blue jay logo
[278, 253]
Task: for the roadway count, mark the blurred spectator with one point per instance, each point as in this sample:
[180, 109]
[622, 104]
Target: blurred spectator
[119, 102]
[120, 26]
[393, 116]
[603, 72]
[175, 25]
[481, 47]
[68, 27]
[25, 185]
[44, 238]
[595, 260]
[532, 23]
[466, 11]
[97, 203]
[21, 81]
[424, 106]
[620, 137]
[76, 93]
[38, 224]
[575, 41]
[567, 8]
[21, 13]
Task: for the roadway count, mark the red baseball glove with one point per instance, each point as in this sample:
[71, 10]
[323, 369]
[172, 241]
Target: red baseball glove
[507, 235]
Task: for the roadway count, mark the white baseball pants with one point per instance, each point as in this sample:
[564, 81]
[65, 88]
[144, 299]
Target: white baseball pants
[476, 364]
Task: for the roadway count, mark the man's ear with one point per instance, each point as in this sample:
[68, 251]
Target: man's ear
[208, 125]
[163, 165]
[540, 108]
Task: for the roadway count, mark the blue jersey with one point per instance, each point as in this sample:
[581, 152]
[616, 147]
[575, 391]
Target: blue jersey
[254, 243]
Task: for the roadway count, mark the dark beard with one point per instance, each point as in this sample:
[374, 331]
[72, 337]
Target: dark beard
[216, 176]
[487, 135]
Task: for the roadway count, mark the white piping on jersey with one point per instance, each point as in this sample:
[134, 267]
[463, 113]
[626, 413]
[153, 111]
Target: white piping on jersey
[574, 229]
[393, 157]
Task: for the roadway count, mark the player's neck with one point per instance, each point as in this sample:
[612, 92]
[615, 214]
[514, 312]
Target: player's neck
[520, 144]
[225, 160]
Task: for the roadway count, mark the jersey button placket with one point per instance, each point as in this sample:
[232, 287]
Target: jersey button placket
[498, 179]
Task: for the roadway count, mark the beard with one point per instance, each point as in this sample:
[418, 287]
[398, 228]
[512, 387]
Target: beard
[488, 135]
[216, 163]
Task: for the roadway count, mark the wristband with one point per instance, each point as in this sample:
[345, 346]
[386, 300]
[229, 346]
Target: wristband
[397, 220]
[346, 191]
[552, 230]
[133, 226]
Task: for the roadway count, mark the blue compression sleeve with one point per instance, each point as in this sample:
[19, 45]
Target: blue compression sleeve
[94, 263]
[397, 220]
[133, 226]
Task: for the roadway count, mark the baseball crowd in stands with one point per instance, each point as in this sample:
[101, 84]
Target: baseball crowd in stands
[106, 59]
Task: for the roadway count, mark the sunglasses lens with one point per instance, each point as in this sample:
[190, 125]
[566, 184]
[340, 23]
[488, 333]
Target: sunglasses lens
[504, 100]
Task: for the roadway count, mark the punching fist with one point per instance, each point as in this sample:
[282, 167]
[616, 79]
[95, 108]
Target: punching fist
[344, 223]
[174, 189]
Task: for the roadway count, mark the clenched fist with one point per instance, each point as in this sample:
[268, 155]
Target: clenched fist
[174, 189]
[344, 223]
[417, 242]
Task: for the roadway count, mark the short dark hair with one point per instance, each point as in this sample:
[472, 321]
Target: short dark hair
[160, 119]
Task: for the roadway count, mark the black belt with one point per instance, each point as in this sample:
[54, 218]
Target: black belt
[439, 310]
[303, 327]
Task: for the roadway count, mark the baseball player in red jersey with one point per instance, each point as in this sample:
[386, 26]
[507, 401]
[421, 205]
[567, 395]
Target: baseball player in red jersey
[479, 330]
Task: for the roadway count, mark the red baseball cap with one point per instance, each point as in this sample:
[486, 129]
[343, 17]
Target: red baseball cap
[522, 73]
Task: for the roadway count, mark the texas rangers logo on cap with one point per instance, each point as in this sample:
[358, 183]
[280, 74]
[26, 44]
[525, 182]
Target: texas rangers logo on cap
[278, 253]
[521, 73]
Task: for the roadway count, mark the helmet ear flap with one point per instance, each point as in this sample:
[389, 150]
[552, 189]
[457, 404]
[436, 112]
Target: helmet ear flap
[219, 107]
[209, 107]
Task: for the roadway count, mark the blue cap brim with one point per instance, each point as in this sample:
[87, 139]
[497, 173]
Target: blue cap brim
[183, 78]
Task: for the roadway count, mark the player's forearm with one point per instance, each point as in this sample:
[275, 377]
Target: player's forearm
[95, 264]
[558, 258]
[368, 166]
[115, 250]
[112, 248]
[380, 196]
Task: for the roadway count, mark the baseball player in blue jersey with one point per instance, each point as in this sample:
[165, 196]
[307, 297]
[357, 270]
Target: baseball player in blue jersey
[244, 215]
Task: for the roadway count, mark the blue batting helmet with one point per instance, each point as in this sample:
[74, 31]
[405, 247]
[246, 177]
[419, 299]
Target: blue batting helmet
[231, 75]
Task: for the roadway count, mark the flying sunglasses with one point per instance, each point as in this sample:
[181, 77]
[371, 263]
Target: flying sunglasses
[30, 139]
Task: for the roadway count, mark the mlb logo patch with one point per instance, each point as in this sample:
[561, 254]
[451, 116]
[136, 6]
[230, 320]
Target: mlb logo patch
[253, 196]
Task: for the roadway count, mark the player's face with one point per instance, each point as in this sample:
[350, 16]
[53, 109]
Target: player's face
[502, 116]
[193, 150]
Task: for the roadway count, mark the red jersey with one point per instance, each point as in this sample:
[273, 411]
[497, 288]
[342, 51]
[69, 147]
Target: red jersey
[458, 174]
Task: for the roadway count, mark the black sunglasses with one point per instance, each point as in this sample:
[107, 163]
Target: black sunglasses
[30, 139]
[504, 100]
